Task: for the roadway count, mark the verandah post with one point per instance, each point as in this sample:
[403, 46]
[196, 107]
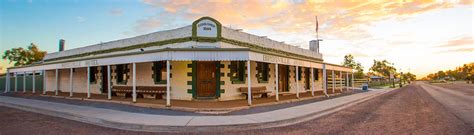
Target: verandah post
[70, 81]
[168, 87]
[134, 83]
[109, 92]
[277, 83]
[352, 84]
[24, 82]
[249, 84]
[44, 82]
[340, 76]
[347, 81]
[297, 83]
[16, 82]
[325, 81]
[333, 82]
[7, 81]
[312, 81]
[88, 82]
[34, 83]
[57, 83]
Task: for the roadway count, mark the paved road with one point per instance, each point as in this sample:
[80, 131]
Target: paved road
[407, 110]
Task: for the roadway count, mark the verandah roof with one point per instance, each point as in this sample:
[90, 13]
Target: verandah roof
[178, 54]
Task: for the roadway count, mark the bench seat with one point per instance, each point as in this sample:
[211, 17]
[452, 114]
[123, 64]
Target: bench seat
[159, 91]
[262, 90]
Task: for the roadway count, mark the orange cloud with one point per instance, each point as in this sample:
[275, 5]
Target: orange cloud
[341, 18]
[467, 40]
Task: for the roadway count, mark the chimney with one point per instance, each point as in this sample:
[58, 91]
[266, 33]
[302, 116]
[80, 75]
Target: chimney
[61, 44]
[314, 45]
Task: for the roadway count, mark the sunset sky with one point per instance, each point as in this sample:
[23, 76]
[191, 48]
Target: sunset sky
[417, 36]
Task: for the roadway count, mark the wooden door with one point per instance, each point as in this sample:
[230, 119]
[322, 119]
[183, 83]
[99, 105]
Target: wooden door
[282, 78]
[206, 79]
[105, 87]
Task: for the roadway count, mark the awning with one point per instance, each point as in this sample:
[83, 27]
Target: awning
[175, 54]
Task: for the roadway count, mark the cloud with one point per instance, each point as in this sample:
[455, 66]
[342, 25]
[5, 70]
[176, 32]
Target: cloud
[147, 24]
[463, 41]
[80, 19]
[116, 12]
[344, 19]
[461, 44]
[458, 50]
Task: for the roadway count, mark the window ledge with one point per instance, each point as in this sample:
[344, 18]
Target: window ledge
[238, 82]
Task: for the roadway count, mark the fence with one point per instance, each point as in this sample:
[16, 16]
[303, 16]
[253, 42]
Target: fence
[359, 82]
[29, 83]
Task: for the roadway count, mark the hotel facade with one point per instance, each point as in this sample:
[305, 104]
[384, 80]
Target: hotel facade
[202, 61]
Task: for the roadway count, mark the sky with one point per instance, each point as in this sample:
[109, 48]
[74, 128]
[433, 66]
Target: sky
[421, 37]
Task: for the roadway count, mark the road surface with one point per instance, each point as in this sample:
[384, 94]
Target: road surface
[409, 110]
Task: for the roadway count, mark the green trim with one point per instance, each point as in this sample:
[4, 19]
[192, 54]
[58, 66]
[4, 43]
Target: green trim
[190, 91]
[218, 79]
[238, 82]
[219, 26]
[145, 45]
[161, 82]
[272, 51]
[190, 83]
[252, 47]
[194, 79]
[222, 91]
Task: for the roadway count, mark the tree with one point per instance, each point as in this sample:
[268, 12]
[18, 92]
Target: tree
[464, 72]
[409, 77]
[441, 75]
[383, 68]
[21, 56]
[350, 62]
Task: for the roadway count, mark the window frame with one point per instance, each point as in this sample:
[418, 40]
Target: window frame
[237, 67]
[263, 70]
[316, 74]
[157, 76]
[92, 73]
[123, 70]
[299, 73]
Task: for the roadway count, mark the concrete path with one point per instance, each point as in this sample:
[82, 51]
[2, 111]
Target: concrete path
[150, 122]
[459, 103]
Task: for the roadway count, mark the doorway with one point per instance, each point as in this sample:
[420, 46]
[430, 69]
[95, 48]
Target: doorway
[206, 80]
[283, 78]
[105, 79]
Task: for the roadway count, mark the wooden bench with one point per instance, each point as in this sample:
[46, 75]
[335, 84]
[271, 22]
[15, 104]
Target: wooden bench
[255, 91]
[159, 91]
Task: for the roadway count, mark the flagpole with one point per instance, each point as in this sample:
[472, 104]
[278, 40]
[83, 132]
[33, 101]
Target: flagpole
[317, 27]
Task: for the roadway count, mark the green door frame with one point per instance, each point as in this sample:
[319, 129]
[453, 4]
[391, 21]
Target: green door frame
[217, 76]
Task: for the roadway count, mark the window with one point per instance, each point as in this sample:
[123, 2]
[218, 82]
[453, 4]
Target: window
[121, 74]
[299, 73]
[159, 72]
[92, 72]
[316, 74]
[262, 72]
[237, 71]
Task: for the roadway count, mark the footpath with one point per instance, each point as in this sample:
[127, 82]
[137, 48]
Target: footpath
[182, 123]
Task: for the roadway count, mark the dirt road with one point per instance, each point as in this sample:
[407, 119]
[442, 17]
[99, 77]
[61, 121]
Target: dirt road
[458, 98]
[409, 110]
